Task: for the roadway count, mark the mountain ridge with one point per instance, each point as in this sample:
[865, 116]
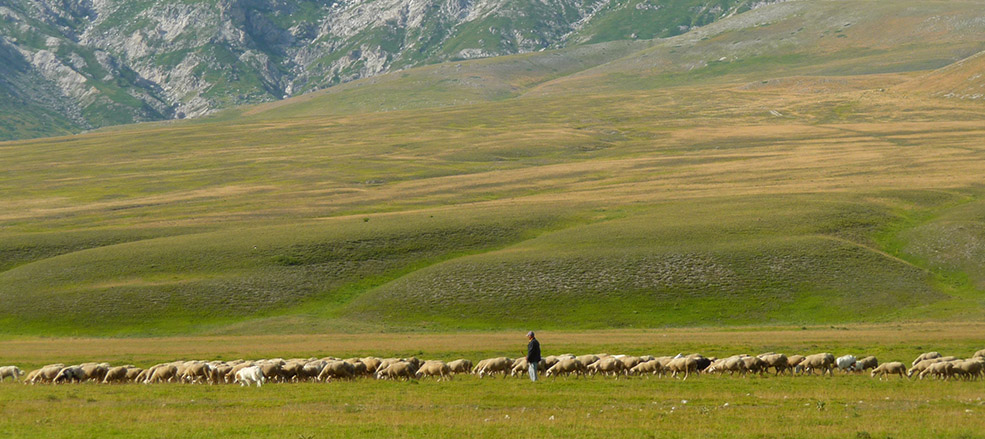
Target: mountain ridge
[110, 62]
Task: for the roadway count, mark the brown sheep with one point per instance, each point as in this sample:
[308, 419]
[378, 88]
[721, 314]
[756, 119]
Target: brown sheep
[115, 375]
[585, 359]
[372, 363]
[969, 369]
[198, 371]
[731, 365]
[824, 362]
[45, 374]
[492, 366]
[922, 366]
[894, 367]
[607, 366]
[272, 370]
[133, 373]
[925, 356]
[460, 366]
[338, 370]
[943, 370]
[70, 374]
[688, 365]
[755, 365]
[163, 374]
[778, 362]
[651, 367]
[566, 367]
[629, 362]
[864, 364]
[793, 362]
[434, 368]
[404, 370]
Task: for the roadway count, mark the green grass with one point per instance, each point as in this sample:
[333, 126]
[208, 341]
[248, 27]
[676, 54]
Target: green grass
[591, 187]
[723, 407]
[706, 405]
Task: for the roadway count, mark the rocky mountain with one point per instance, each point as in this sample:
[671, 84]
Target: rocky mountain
[71, 65]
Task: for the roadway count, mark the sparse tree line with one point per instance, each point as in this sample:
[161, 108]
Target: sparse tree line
[258, 372]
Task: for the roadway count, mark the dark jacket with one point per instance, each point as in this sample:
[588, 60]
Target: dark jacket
[533, 351]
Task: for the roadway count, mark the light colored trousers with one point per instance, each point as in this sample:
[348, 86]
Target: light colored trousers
[533, 371]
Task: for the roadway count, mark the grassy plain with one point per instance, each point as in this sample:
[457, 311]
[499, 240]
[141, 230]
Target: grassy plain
[808, 407]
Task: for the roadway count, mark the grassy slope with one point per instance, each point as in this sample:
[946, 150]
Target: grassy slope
[601, 197]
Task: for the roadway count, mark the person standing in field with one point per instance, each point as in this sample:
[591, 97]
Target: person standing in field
[533, 355]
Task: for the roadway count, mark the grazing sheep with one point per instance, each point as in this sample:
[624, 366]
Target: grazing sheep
[793, 363]
[491, 366]
[586, 359]
[703, 362]
[755, 365]
[13, 372]
[825, 362]
[566, 367]
[339, 370]
[551, 360]
[628, 363]
[607, 366]
[925, 356]
[460, 366]
[394, 371]
[688, 365]
[163, 374]
[864, 364]
[115, 375]
[434, 368]
[893, 367]
[313, 369]
[969, 369]
[289, 371]
[845, 362]
[651, 367]
[250, 375]
[197, 371]
[721, 365]
[386, 362]
[361, 369]
[272, 370]
[922, 366]
[372, 363]
[979, 354]
[943, 370]
[70, 374]
[778, 362]
[45, 374]
[133, 373]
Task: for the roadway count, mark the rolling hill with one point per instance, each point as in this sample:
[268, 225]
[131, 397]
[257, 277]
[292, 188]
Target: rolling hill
[776, 167]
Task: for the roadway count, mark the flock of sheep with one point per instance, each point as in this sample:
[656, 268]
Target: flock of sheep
[248, 373]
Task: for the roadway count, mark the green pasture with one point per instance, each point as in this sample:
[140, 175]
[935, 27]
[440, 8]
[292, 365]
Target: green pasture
[810, 176]
[838, 406]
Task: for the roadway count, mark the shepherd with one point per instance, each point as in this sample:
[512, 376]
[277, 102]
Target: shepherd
[533, 355]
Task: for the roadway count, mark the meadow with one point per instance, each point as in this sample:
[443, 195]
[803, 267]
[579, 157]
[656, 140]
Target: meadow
[791, 165]
[708, 405]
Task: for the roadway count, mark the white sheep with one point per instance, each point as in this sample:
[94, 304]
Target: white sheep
[13, 372]
[250, 375]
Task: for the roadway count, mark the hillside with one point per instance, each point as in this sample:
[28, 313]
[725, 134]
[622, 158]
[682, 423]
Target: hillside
[964, 80]
[617, 184]
[82, 64]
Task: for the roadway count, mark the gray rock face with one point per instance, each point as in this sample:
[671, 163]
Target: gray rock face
[120, 61]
